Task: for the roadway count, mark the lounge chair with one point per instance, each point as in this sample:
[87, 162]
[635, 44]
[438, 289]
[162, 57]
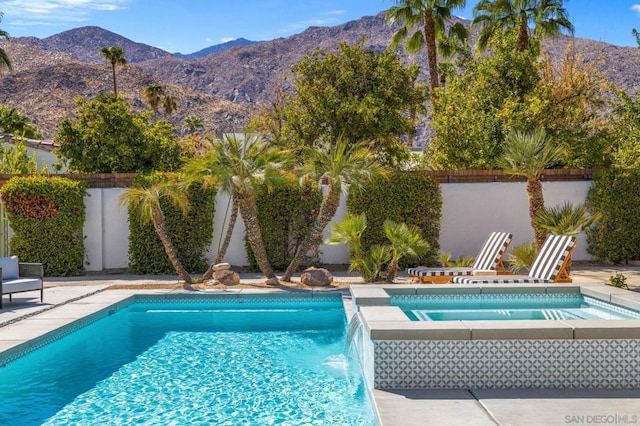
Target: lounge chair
[549, 266]
[17, 277]
[488, 260]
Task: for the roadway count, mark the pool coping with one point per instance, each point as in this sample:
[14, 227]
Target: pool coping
[385, 322]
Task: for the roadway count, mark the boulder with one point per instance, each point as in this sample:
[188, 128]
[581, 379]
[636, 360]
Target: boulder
[227, 277]
[316, 277]
[221, 267]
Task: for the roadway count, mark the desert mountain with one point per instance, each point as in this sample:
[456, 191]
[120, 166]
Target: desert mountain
[215, 49]
[85, 43]
[221, 87]
[44, 84]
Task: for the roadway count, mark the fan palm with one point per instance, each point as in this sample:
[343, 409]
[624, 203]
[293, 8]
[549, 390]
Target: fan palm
[192, 123]
[406, 240]
[153, 95]
[5, 62]
[146, 201]
[115, 56]
[565, 219]
[169, 104]
[548, 17]
[528, 154]
[237, 163]
[430, 16]
[339, 163]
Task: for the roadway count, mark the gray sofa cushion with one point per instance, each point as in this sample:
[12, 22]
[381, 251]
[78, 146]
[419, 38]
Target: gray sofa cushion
[18, 285]
[9, 267]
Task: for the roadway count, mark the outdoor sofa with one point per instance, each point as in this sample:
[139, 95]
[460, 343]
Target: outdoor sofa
[18, 277]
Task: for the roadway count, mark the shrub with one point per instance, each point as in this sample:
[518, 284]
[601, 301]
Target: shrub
[47, 215]
[618, 280]
[286, 210]
[615, 196]
[190, 233]
[411, 198]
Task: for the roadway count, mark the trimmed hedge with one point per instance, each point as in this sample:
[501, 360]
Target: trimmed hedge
[191, 234]
[47, 215]
[616, 195]
[412, 198]
[286, 210]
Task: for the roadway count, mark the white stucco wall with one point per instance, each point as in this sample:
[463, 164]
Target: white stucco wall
[470, 212]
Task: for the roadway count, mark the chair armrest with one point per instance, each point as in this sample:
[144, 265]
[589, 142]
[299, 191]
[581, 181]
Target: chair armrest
[31, 270]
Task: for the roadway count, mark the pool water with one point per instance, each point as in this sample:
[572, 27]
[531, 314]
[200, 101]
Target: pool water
[206, 362]
[476, 307]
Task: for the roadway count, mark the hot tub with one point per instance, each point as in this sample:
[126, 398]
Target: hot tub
[595, 348]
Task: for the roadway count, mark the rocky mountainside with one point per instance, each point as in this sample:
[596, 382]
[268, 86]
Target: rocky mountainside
[216, 48]
[85, 43]
[233, 80]
[44, 84]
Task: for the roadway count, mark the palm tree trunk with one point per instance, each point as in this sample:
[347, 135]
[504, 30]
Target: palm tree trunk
[161, 230]
[249, 213]
[113, 71]
[227, 240]
[432, 53]
[523, 36]
[328, 209]
[536, 204]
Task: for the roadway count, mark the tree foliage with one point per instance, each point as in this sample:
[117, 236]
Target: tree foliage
[510, 90]
[355, 94]
[5, 62]
[12, 121]
[107, 137]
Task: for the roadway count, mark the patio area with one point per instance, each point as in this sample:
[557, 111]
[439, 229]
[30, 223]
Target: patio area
[67, 299]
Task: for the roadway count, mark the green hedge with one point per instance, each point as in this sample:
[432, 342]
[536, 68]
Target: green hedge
[411, 198]
[47, 215]
[191, 234]
[286, 210]
[616, 195]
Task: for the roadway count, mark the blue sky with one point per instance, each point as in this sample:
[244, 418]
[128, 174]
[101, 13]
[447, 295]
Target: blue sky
[190, 25]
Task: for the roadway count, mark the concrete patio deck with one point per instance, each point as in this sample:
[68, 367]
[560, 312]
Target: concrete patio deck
[69, 299]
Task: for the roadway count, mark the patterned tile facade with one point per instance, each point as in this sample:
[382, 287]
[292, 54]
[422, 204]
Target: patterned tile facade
[497, 364]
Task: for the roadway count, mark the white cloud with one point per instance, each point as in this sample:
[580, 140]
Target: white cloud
[34, 12]
[636, 8]
[208, 39]
[337, 12]
[227, 39]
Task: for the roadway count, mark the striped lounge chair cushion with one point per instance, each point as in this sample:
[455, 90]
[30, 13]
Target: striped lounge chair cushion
[499, 279]
[544, 269]
[439, 272]
[492, 251]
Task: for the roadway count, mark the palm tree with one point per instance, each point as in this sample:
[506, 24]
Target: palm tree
[115, 56]
[528, 154]
[146, 201]
[169, 104]
[153, 95]
[565, 219]
[406, 240]
[548, 17]
[339, 163]
[430, 17]
[192, 123]
[238, 163]
[5, 62]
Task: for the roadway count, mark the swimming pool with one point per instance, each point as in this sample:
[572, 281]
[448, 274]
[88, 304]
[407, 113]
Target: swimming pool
[504, 307]
[196, 360]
